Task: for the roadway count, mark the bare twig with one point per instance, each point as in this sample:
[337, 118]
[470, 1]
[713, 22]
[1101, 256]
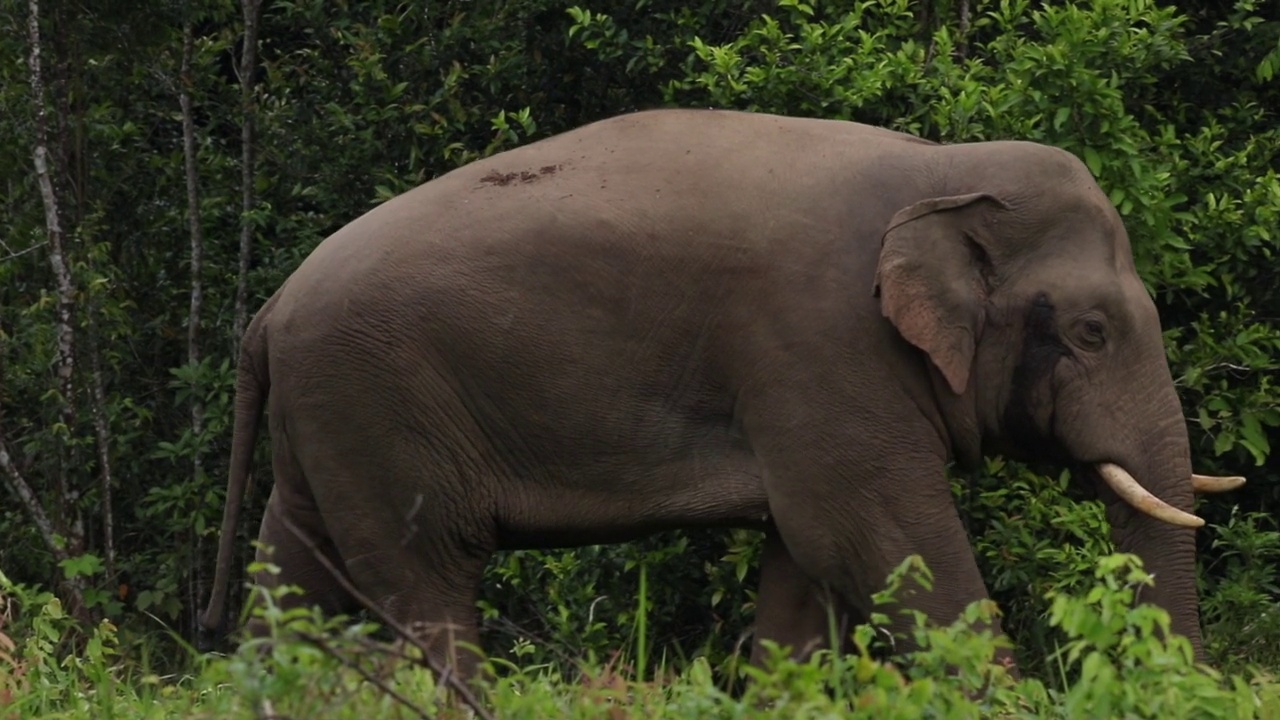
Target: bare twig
[446, 678]
[14, 255]
[1228, 366]
[252, 11]
[510, 629]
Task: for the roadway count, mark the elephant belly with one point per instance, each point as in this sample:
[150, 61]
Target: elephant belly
[618, 504]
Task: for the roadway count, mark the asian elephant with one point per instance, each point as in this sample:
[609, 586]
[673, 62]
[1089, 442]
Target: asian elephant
[680, 318]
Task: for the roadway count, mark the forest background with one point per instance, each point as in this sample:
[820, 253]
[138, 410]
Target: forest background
[165, 165]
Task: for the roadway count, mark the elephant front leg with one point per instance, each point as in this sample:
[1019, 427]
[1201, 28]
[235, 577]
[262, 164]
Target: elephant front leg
[854, 545]
[853, 497]
[793, 611]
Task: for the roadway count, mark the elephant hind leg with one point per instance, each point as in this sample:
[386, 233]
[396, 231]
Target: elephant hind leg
[298, 560]
[409, 501]
[432, 592]
[418, 546]
[794, 611]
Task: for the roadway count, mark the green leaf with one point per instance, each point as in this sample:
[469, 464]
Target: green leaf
[1223, 442]
[1253, 438]
[1093, 161]
[1061, 117]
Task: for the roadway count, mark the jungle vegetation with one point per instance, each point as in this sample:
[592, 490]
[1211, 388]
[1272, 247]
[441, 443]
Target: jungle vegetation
[167, 163]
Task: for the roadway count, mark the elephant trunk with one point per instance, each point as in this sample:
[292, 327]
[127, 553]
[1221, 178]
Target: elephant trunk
[1167, 550]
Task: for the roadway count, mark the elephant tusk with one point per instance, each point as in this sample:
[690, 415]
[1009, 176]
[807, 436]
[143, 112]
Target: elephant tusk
[1131, 492]
[1215, 484]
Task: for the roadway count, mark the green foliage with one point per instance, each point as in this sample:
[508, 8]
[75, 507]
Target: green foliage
[1121, 666]
[1172, 106]
[314, 667]
[553, 608]
[1239, 591]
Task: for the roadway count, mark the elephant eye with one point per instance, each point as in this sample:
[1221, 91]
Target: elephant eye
[1094, 333]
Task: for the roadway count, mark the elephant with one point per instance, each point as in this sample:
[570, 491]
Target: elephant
[681, 318]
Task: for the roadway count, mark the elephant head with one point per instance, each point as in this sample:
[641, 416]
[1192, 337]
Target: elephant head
[1045, 345]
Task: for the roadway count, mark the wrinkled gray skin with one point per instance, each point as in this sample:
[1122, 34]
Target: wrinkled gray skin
[675, 319]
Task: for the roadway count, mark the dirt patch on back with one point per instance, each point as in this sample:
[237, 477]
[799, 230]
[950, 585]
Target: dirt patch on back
[524, 176]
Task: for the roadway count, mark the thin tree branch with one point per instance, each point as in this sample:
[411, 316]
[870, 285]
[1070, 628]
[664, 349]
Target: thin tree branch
[1228, 366]
[14, 255]
[268, 711]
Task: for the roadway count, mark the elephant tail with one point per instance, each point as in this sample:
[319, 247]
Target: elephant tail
[253, 383]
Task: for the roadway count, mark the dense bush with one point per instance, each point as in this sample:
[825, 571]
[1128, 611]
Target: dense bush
[1172, 105]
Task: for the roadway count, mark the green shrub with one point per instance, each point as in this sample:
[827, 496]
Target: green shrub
[1112, 662]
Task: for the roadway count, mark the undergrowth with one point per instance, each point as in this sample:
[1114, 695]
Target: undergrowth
[1112, 659]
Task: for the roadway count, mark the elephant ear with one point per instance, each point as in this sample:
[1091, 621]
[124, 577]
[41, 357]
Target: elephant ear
[932, 279]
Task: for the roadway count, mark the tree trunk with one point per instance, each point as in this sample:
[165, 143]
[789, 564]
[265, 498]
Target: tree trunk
[252, 10]
[196, 227]
[65, 330]
[962, 35]
[102, 431]
[64, 519]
